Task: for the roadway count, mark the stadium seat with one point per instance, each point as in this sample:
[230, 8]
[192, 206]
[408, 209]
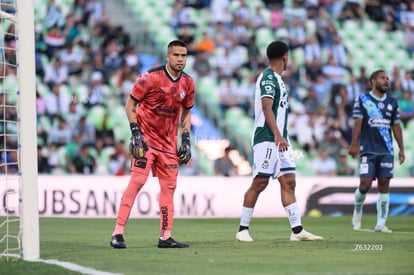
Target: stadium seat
[42, 88]
[310, 27]
[44, 122]
[233, 115]
[62, 157]
[349, 28]
[298, 55]
[244, 127]
[370, 28]
[263, 36]
[206, 165]
[95, 115]
[9, 86]
[208, 93]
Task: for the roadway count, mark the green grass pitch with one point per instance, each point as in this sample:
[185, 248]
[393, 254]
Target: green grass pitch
[213, 249]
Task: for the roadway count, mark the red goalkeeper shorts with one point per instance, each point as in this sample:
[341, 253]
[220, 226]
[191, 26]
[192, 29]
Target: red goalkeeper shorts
[163, 165]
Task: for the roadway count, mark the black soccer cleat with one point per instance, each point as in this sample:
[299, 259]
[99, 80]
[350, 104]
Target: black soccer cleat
[118, 241]
[171, 243]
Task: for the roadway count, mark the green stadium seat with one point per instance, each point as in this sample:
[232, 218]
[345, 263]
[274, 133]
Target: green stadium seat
[95, 115]
[370, 28]
[349, 28]
[310, 27]
[263, 36]
[44, 123]
[233, 115]
[298, 55]
[62, 156]
[245, 127]
[43, 89]
[105, 154]
[206, 165]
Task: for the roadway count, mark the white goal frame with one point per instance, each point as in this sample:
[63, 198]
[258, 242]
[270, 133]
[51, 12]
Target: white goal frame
[26, 74]
[27, 128]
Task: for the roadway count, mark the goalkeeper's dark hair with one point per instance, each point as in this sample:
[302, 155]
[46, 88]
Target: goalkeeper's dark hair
[177, 42]
[276, 49]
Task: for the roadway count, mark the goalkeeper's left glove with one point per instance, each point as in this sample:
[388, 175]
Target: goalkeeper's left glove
[184, 153]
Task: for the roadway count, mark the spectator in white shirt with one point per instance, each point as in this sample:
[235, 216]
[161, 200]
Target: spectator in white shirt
[296, 34]
[72, 57]
[57, 102]
[56, 72]
[407, 82]
[60, 133]
[340, 53]
[312, 50]
[323, 164]
[97, 90]
[353, 90]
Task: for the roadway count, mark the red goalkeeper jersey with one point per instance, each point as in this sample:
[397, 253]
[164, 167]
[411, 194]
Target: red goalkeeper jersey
[160, 100]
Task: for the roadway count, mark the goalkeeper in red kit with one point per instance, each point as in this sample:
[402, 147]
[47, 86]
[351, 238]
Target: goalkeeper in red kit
[158, 110]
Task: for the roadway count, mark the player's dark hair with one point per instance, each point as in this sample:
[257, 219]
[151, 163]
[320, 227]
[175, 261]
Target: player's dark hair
[176, 42]
[276, 49]
[374, 75]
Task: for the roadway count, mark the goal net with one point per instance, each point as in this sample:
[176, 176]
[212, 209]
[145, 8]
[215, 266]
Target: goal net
[19, 225]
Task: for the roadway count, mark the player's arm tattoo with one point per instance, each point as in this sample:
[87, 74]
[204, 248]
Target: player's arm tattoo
[130, 109]
[185, 121]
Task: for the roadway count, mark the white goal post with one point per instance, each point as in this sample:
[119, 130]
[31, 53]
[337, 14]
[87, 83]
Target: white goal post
[22, 15]
[26, 75]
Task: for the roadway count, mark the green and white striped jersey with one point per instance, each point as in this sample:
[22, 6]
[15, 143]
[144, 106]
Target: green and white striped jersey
[270, 84]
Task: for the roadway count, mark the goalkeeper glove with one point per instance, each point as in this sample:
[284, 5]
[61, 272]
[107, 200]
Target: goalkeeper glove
[137, 146]
[184, 153]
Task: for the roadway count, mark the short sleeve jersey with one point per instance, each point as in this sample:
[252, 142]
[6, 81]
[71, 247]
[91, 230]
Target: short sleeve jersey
[270, 84]
[160, 99]
[371, 140]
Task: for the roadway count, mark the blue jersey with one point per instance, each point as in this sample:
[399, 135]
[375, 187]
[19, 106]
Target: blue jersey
[378, 115]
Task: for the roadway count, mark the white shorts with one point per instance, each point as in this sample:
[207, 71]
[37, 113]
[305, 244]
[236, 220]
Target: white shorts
[269, 161]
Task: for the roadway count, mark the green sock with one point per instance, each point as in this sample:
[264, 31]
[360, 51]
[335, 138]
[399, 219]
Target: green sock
[383, 204]
[359, 200]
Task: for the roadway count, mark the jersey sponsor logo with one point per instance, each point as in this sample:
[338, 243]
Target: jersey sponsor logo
[164, 213]
[379, 122]
[165, 111]
[269, 90]
[141, 163]
[363, 168]
[356, 103]
[270, 76]
[283, 100]
[386, 164]
[170, 165]
[268, 82]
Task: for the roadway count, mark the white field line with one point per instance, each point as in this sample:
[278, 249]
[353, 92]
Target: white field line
[393, 232]
[67, 265]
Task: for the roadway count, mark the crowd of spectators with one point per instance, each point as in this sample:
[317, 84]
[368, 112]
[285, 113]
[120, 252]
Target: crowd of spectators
[323, 88]
[83, 63]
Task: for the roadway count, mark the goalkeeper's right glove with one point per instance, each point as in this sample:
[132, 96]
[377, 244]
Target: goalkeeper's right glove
[137, 146]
